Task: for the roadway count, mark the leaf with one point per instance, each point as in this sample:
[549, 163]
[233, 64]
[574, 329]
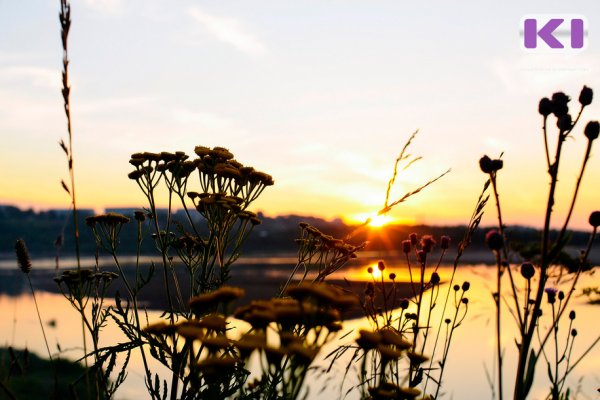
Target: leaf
[64, 147]
[64, 185]
[530, 372]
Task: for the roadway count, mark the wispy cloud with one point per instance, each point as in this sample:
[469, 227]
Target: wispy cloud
[105, 6]
[36, 76]
[228, 30]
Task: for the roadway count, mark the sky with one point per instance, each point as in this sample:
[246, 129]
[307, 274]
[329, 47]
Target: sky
[320, 94]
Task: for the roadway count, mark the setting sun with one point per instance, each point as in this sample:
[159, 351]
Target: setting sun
[374, 220]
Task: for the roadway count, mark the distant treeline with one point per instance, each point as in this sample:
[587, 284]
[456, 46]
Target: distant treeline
[44, 230]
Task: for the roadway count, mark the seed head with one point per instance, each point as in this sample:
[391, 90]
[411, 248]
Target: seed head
[466, 286]
[595, 219]
[592, 129]
[139, 216]
[551, 292]
[494, 240]
[527, 270]
[435, 278]
[586, 96]
[23, 258]
[545, 107]
[560, 106]
[572, 315]
[564, 122]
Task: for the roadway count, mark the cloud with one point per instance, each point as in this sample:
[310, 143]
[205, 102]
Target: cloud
[228, 30]
[36, 76]
[105, 6]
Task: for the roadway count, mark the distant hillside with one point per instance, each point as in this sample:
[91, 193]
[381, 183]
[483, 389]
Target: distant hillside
[274, 236]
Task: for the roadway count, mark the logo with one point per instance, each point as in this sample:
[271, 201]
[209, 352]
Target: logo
[553, 33]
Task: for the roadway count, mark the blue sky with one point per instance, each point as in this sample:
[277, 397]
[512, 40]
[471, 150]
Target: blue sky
[321, 94]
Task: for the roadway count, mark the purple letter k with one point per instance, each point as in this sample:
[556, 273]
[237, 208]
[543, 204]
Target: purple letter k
[531, 33]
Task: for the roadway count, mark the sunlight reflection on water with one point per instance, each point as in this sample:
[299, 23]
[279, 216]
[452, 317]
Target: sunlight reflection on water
[473, 346]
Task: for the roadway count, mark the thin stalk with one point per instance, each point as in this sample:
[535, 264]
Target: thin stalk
[37, 309]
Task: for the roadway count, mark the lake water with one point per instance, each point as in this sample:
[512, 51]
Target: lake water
[472, 349]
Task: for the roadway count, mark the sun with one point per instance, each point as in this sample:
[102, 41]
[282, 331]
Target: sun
[377, 221]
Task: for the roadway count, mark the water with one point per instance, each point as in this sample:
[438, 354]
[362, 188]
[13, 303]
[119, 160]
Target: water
[472, 351]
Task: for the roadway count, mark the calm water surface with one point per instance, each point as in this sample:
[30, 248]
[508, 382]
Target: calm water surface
[471, 354]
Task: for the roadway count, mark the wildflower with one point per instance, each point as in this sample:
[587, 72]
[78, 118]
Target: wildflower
[561, 295]
[139, 216]
[444, 242]
[456, 288]
[586, 96]
[545, 107]
[23, 258]
[494, 240]
[303, 354]
[435, 278]
[427, 243]
[465, 300]
[551, 292]
[447, 320]
[592, 129]
[413, 239]
[388, 353]
[465, 286]
[370, 270]
[572, 315]
[368, 340]
[380, 266]
[595, 219]
[392, 276]
[406, 245]
[574, 332]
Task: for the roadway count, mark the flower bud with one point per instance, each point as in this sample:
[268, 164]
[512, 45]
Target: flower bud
[456, 288]
[435, 278]
[592, 129]
[485, 163]
[465, 300]
[561, 295]
[564, 122]
[413, 239]
[595, 219]
[421, 256]
[494, 240]
[404, 303]
[445, 242]
[139, 216]
[560, 105]
[392, 276]
[572, 315]
[465, 286]
[497, 164]
[406, 246]
[551, 292]
[370, 270]
[380, 265]
[573, 332]
[527, 270]
[586, 96]
[545, 107]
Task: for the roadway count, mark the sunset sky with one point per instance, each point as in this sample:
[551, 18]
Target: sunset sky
[320, 94]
